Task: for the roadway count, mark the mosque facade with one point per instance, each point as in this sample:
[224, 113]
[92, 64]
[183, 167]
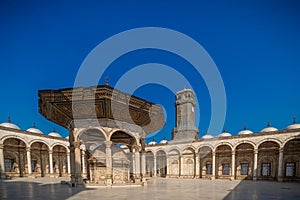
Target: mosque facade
[116, 153]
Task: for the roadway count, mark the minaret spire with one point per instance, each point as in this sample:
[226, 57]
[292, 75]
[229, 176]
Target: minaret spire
[269, 123]
[8, 119]
[106, 80]
[294, 122]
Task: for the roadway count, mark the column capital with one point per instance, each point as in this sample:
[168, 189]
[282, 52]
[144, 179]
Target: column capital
[233, 152]
[1, 146]
[75, 145]
[28, 149]
[108, 144]
[255, 151]
[50, 151]
[281, 150]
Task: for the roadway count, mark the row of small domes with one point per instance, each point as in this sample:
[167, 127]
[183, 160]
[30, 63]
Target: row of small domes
[31, 130]
[269, 128]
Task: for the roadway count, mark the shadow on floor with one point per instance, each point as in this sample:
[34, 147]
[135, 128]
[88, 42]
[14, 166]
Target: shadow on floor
[35, 190]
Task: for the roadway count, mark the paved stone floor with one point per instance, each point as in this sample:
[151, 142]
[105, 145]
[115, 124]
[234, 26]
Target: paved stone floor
[174, 189]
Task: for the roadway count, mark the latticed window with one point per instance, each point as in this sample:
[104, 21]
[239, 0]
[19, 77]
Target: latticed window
[290, 169]
[208, 168]
[8, 165]
[225, 169]
[244, 168]
[266, 169]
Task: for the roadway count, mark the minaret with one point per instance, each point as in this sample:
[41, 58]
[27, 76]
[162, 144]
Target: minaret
[185, 116]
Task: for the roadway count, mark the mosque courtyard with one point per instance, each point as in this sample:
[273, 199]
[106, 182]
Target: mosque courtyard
[158, 188]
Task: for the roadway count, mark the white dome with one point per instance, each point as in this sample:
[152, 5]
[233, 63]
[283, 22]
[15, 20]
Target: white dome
[225, 134]
[207, 136]
[123, 146]
[9, 125]
[34, 130]
[163, 142]
[54, 134]
[294, 125]
[152, 143]
[245, 132]
[269, 129]
[67, 137]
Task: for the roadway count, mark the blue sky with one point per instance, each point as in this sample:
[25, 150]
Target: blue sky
[255, 45]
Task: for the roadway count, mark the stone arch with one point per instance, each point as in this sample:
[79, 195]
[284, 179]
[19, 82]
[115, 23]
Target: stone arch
[221, 144]
[87, 130]
[174, 149]
[15, 137]
[122, 137]
[41, 141]
[244, 142]
[61, 144]
[289, 139]
[123, 131]
[161, 163]
[269, 140]
[174, 162]
[204, 145]
[59, 153]
[39, 151]
[159, 149]
[149, 163]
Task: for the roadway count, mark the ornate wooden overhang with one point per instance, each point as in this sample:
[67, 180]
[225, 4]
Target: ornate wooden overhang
[102, 103]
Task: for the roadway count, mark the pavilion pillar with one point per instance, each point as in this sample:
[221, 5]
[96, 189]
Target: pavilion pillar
[75, 159]
[83, 162]
[280, 165]
[255, 165]
[28, 154]
[155, 167]
[232, 165]
[143, 167]
[108, 162]
[2, 166]
[51, 163]
[69, 162]
[197, 166]
[167, 166]
[137, 165]
[213, 165]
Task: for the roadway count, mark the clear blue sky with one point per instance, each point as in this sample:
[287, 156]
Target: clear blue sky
[255, 45]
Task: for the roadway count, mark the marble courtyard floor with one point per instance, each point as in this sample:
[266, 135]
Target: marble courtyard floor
[50, 188]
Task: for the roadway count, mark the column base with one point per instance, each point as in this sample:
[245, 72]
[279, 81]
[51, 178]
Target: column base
[254, 178]
[232, 178]
[212, 178]
[280, 179]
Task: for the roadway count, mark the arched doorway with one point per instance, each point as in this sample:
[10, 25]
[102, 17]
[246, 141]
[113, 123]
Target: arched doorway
[94, 142]
[174, 163]
[39, 159]
[291, 160]
[205, 154]
[223, 162]
[125, 161]
[268, 154]
[149, 164]
[188, 163]
[14, 157]
[60, 165]
[161, 163]
[244, 161]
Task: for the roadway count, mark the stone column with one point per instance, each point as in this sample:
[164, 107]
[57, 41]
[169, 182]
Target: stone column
[255, 165]
[143, 166]
[180, 166]
[83, 162]
[2, 166]
[213, 165]
[167, 165]
[69, 162]
[75, 159]
[155, 170]
[280, 165]
[197, 166]
[137, 164]
[51, 163]
[28, 161]
[232, 165]
[108, 162]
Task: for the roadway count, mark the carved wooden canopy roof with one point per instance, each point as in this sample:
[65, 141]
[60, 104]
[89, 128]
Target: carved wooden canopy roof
[101, 103]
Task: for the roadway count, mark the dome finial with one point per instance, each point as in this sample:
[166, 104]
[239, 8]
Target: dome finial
[269, 123]
[245, 128]
[294, 122]
[224, 130]
[106, 80]
[153, 139]
[34, 125]
[8, 119]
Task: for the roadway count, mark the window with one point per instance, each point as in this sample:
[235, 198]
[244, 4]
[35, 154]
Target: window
[8, 165]
[244, 168]
[33, 165]
[290, 169]
[225, 169]
[208, 168]
[266, 169]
